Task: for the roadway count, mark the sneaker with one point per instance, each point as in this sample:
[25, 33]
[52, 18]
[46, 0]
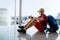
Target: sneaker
[21, 31]
[47, 30]
[21, 27]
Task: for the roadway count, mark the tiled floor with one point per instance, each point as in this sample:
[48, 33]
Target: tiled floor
[7, 33]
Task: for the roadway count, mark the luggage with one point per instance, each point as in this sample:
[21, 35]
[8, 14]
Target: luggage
[52, 23]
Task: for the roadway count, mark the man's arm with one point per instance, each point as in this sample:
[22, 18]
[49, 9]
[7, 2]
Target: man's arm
[36, 18]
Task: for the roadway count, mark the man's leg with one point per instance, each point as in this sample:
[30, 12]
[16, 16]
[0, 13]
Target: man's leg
[25, 25]
[28, 25]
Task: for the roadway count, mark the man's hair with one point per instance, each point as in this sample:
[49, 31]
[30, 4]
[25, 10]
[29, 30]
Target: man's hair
[41, 9]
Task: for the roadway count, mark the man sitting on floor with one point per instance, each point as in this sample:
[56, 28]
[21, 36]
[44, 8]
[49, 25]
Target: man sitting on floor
[39, 22]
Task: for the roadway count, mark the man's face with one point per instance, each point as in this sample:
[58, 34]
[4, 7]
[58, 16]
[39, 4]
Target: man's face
[41, 12]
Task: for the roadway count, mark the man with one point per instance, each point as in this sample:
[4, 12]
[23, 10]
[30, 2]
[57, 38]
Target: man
[39, 22]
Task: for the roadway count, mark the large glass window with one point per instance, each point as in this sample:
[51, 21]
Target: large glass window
[7, 19]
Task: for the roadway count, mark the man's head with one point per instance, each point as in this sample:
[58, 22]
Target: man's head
[41, 11]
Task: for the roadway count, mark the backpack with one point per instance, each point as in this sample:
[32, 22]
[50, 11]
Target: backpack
[52, 23]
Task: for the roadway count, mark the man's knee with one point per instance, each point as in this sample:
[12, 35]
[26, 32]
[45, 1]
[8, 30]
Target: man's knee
[34, 19]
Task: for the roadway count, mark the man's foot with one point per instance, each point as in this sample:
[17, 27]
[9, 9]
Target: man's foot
[21, 27]
[21, 31]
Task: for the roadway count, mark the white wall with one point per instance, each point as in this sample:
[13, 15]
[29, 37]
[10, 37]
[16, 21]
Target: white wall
[30, 7]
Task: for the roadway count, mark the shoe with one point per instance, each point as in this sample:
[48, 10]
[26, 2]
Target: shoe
[21, 27]
[21, 31]
[47, 30]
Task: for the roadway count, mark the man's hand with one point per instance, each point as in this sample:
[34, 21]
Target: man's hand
[30, 17]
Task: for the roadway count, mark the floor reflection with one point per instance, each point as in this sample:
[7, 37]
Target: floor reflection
[52, 36]
[38, 36]
[24, 36]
